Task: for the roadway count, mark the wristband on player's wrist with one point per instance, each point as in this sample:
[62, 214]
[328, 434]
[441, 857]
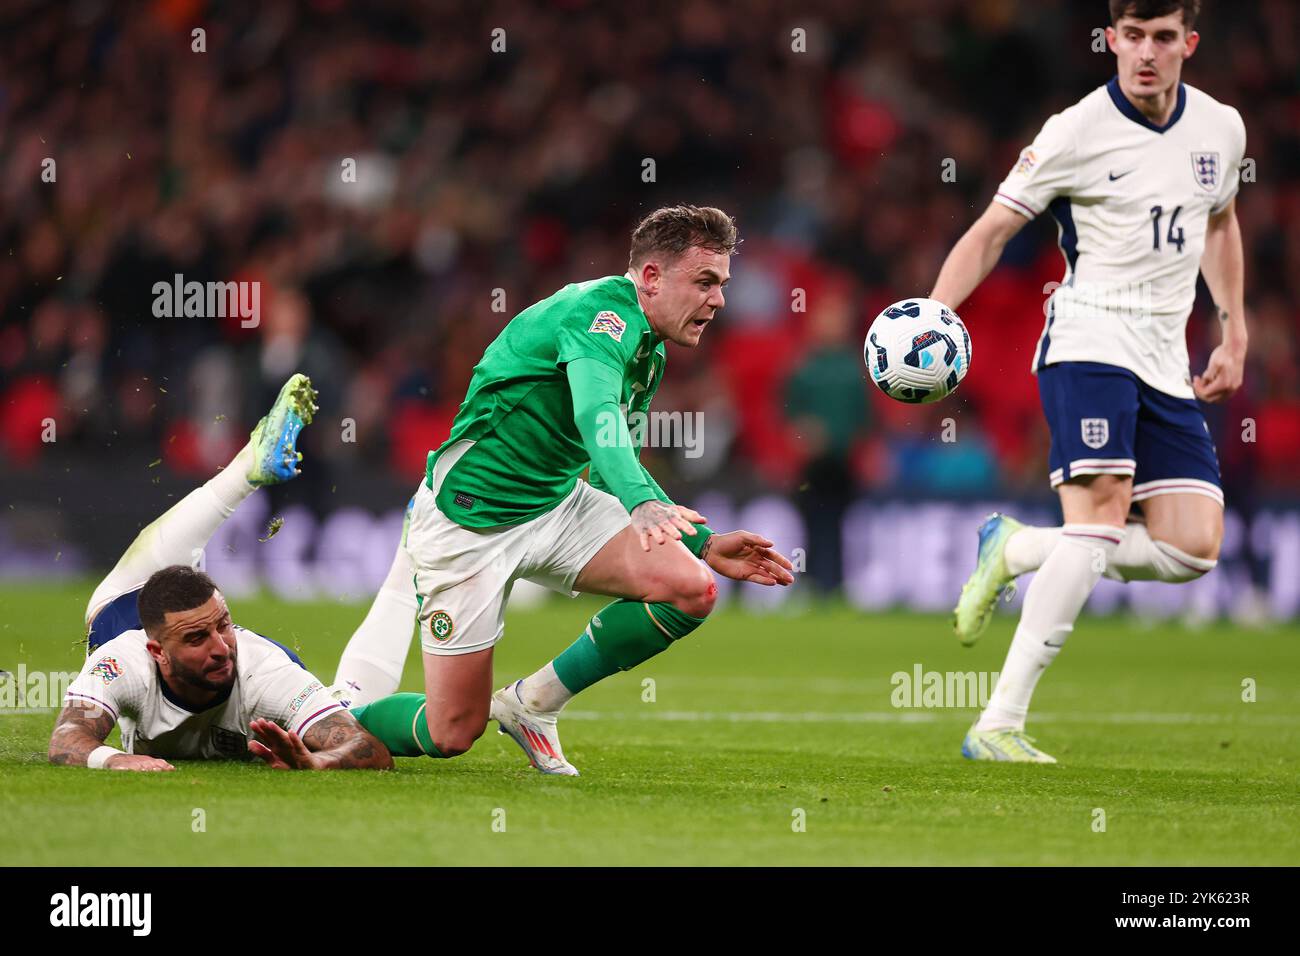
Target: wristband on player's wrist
[695, 542]
[99, 757]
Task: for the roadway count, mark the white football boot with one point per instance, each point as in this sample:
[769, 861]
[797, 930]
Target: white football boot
[534, 731]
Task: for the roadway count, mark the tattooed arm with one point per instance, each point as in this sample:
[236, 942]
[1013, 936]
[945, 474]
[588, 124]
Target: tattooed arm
[336, 742]
[81, 729]
[340, 743]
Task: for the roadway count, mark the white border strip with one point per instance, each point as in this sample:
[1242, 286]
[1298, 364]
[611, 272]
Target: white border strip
[1094, 466]
[1177, 486]
[1103, 462]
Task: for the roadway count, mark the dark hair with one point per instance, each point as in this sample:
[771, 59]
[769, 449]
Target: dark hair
[1150, 9]
[674, 229]
[174, 588]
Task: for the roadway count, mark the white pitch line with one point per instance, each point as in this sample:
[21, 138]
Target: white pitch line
[916, 716]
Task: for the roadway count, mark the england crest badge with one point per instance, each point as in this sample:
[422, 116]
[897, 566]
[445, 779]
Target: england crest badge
[1205, 169]
[1096, 431]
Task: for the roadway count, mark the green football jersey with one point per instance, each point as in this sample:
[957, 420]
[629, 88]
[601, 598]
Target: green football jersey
[518, 412]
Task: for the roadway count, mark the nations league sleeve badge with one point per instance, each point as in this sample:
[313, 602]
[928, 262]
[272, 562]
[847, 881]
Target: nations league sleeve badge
[610, 324]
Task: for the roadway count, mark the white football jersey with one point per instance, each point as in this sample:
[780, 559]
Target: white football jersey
[1131, 201]
[121, 677]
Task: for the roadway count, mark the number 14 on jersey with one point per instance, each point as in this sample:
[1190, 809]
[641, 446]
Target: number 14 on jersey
[1171, 237]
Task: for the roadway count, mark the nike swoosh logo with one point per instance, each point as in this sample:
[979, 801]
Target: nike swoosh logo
[1050, 644]
[1113, 177]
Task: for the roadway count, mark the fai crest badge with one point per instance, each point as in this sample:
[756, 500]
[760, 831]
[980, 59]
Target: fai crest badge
[440, 625]
[1096, 431]
[1205, 169]
[610, 324]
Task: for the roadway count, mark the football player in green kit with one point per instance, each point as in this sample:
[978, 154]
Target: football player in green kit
[502, 499]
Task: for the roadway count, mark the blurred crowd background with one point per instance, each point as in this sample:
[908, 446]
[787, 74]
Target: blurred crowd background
[486, 177]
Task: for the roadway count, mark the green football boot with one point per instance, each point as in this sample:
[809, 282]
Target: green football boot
[1006, 745]
[274, 440]
[989, 581]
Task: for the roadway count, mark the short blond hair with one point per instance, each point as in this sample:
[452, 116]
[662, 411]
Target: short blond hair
[671, 230]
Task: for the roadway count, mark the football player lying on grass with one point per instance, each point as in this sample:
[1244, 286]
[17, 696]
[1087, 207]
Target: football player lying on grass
[166, 660]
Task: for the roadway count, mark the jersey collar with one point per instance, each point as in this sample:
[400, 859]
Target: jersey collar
[1132, 112]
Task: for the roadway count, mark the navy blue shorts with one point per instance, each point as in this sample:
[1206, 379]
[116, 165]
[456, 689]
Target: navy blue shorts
[122, 614]
[1106, 421]
[118, 616]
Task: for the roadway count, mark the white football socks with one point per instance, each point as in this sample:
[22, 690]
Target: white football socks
[1138, 558]
[1142, 558]
[1028, 548]
[543, 691]
[180, 535]
[371, 665]
[230, 485]
[1054, 599]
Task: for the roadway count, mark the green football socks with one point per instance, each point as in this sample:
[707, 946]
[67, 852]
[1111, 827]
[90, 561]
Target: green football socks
[399, 723]
[623, 635]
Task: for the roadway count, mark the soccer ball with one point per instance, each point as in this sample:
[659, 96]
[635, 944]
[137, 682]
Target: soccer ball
[917, 350]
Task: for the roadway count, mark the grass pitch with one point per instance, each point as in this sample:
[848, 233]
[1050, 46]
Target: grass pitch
[757, 724]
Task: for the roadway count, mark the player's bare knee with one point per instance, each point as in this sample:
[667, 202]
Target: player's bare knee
[696, 592]
[456, 735]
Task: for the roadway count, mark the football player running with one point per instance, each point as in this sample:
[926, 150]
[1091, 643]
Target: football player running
[1141, 176]
[502, 500]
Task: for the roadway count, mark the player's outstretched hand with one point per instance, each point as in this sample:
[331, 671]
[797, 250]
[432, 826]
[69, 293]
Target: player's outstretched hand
[659, 521]
[1223, 374]
[138, 762]
[280, 749]
[745, 556]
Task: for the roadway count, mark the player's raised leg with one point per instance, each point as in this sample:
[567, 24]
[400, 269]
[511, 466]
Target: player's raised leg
[179, 535]
[1178, 542]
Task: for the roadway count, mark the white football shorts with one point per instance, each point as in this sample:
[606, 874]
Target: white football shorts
[463, 575]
